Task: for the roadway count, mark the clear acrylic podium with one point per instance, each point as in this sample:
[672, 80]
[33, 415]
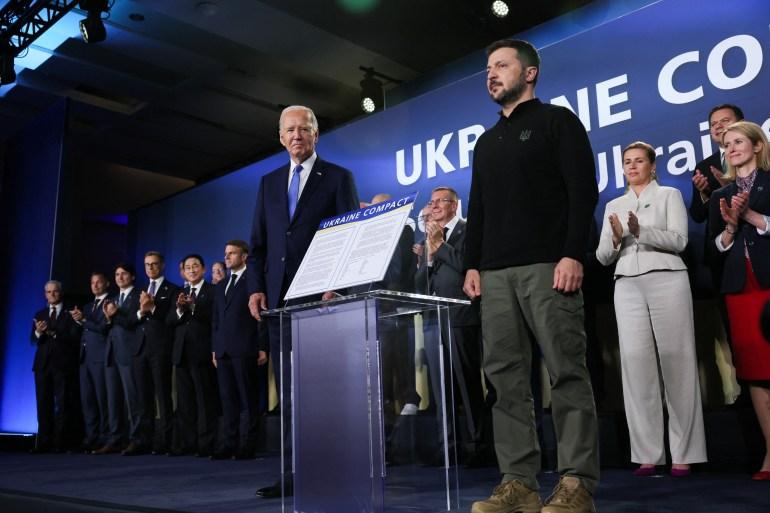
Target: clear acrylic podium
[345, 446]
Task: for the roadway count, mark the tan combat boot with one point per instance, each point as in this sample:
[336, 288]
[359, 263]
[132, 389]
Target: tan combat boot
[569, 496]
[510, 497]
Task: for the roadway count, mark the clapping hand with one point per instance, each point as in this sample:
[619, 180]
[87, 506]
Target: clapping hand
[617, 229]
[77, 314]
[633, 224]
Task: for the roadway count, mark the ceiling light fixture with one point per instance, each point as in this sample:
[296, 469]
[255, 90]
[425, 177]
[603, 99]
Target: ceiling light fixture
[372, 95]
[500, 8]
[372, 92]
[92, 28]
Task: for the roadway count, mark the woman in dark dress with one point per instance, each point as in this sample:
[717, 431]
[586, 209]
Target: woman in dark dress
[740, 228]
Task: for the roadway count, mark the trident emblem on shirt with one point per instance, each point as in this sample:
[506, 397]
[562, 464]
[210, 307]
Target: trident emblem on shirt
[525, 135]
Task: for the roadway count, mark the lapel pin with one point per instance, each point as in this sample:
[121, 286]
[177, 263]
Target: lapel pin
[647, 205]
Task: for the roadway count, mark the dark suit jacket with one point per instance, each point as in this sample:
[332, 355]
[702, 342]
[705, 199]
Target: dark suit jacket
[235, 331]
[58, 347]
[153, 334]
[94, 339]
[121, 340]
[447, 276]
[278, 243]
[192, 331]
[758, 246]
[699, 211]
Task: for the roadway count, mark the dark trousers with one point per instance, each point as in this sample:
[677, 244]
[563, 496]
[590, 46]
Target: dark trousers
[93, 400]
[197, 406]
[54, 395]
[462, 358]
[152, 374]
[115, 405]
[238, 391]
[134, 402]
[397, 342]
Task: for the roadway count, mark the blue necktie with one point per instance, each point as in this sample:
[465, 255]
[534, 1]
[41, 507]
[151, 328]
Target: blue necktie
[294, 190]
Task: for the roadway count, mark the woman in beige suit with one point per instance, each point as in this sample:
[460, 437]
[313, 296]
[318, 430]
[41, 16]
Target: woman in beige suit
[643, 232]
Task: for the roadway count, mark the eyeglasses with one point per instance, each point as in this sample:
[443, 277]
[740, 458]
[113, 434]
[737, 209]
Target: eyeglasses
[439, 201]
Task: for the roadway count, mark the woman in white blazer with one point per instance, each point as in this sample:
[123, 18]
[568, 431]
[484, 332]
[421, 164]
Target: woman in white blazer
[643, 232]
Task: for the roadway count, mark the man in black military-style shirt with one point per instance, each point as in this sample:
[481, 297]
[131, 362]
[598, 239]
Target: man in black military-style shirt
[533, 193]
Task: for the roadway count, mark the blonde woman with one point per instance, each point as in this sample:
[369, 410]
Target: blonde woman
[739, 223]
[643, 232]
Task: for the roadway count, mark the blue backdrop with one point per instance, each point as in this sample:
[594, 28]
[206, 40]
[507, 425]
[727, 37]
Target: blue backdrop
[631, 70]
[30, 203]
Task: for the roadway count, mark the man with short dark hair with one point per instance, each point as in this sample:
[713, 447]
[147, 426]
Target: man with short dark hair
[55, 337]
[196, 384]
[120, 311]
[237, 351]
[708, 177]
[533, 194]
[152, 362]
[93, 384]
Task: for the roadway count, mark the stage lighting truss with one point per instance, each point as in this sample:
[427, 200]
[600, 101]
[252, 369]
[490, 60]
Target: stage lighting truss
[22, 21]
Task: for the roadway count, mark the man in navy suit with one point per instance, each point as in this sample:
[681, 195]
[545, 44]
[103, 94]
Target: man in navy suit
[236, 355]
[121, 311]
[196, 384]
[55, 336]
[291, 202]
[93, 385]
[706, 179]
[152, 362]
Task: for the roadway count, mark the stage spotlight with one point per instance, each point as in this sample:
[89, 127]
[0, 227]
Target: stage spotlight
[372, 96]
[500, 8]
[7, 72]
[92, 28]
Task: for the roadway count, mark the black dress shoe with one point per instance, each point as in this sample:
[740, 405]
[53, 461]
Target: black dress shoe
[221, 455]
[274, 491]
[177, 452]
[40, 450]
[133, 450]
[244, 455]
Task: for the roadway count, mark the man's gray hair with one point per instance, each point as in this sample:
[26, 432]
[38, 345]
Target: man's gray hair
[313, 120]
[55, 282]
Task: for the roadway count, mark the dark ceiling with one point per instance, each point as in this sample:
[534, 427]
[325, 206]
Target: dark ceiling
[194, 89]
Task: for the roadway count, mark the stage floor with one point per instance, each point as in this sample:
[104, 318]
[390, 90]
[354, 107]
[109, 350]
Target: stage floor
[60, 483]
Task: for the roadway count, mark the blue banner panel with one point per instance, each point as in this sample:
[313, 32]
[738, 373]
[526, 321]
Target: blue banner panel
[651, 73]
[30, 197]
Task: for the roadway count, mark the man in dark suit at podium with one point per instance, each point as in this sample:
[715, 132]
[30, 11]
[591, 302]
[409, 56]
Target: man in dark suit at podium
[237, 352]
[55, 336]
[291, 202]
[152, 363]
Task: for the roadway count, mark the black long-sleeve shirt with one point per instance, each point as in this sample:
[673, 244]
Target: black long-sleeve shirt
[533, 189]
